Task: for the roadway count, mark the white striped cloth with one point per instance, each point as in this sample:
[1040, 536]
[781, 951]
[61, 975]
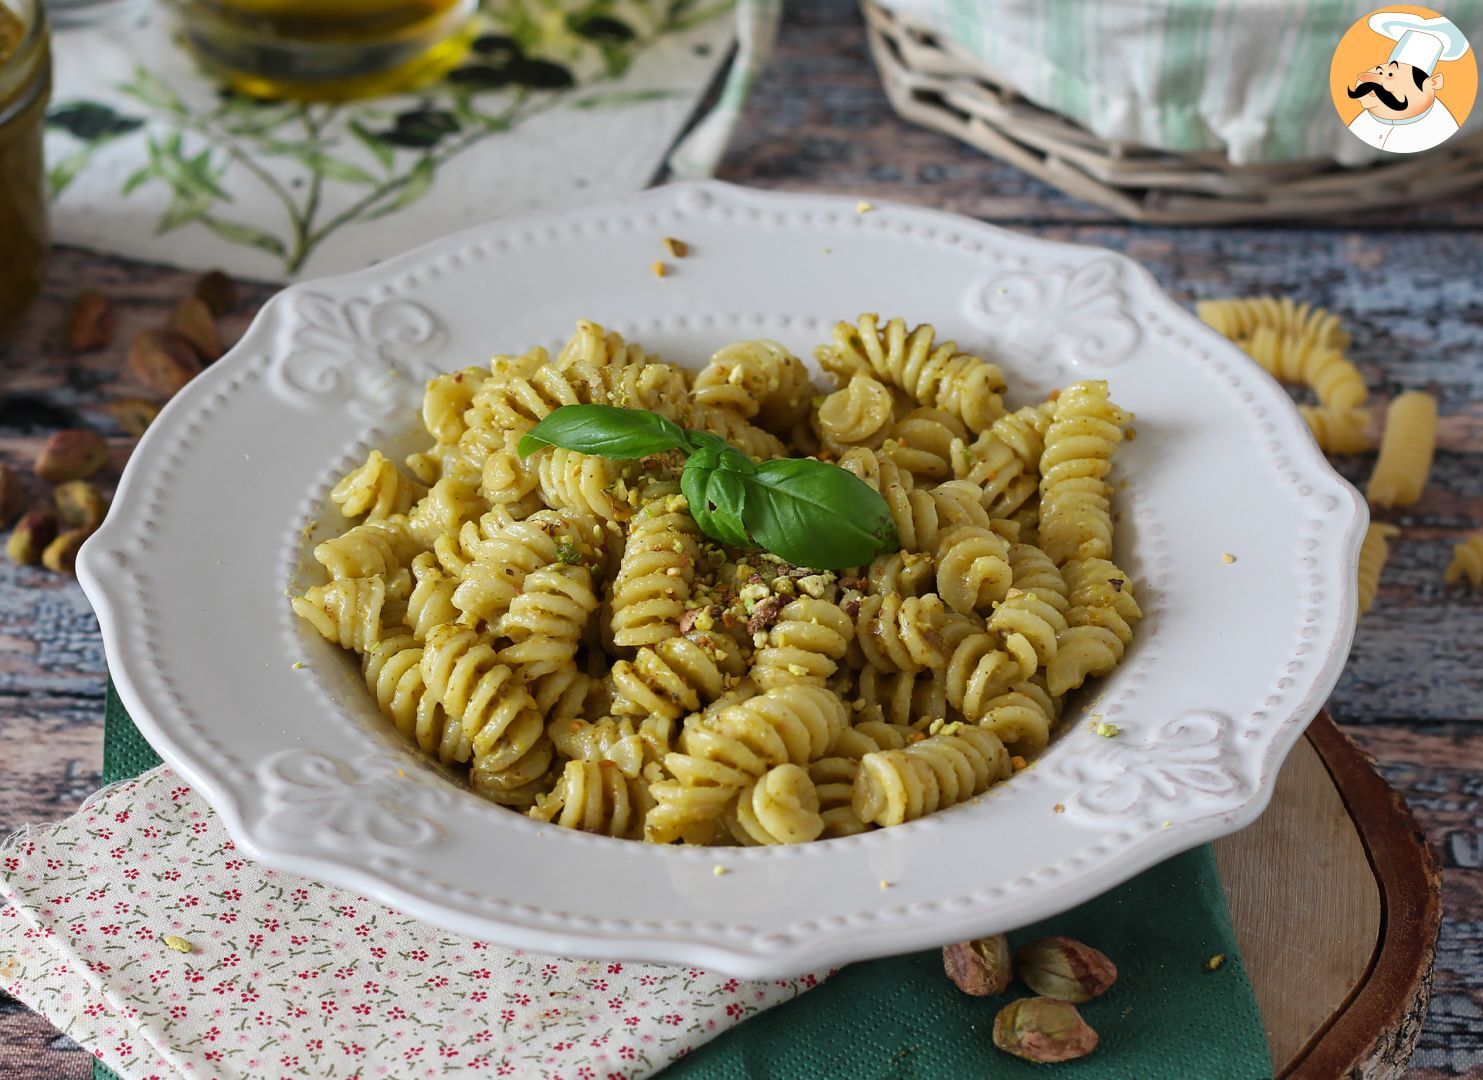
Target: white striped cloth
[1247, 77]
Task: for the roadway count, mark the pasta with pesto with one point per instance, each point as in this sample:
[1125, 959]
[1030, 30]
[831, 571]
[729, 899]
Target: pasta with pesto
[557, 628]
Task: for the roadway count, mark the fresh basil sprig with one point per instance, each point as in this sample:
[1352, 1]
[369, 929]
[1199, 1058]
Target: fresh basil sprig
[807, 512]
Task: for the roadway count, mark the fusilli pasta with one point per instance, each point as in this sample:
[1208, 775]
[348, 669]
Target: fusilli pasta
[1406, 451]
[1373, 553]
[1467, 561]
[558, 625]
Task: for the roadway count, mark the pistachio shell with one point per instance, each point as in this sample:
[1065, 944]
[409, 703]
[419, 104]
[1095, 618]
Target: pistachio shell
[1043, 1030]
[1062, 967]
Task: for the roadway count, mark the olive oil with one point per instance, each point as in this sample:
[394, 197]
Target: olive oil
[25, 85]
[327, 49]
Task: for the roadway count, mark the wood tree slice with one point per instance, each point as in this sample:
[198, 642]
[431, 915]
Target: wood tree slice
[1336, 900]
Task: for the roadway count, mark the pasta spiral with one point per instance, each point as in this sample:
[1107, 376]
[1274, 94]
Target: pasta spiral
[834, 777]
[463, 673]
[859, 414]
[898, 698]
[1406, 450]
[393, 671]
[1034, 572]
[939, 377]
[746, 437]
[721, 753]
[1373, 553]
[648, 599]
[896, 786]
[545, 623]
[1075, 511]
[444, 509]
[596, 347]
[909, 573]
[595, 797]
[1334, 379]
[447, 398]
[921, 443]
[675, 676]
[1337, 431]
[898, 634]
[1467, 561]
[978, 669]
[1099, 623]
[780, 807]
[804, 645]
[1022, 717]
[1240, 318]
[972, 568]
[627, 744]
[346, 611]
[1029, 626]
[376, 547]
[581, 482]
[431, 601]
[919, 514]
[758, 379]
[375, 490]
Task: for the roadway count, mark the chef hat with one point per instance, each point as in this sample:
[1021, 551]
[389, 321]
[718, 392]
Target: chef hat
[1420, 42]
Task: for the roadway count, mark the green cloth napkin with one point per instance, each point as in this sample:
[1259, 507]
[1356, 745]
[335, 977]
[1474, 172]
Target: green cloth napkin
[1168, 1017]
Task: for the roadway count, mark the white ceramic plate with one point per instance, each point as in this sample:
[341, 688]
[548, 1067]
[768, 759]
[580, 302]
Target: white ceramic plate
[189, 572]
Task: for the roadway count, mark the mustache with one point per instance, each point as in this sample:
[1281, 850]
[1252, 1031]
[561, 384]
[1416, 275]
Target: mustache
[1389, 100]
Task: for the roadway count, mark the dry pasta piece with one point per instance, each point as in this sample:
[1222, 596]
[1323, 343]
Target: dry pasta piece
[1334, 379]
[1406, 451]
[1467, 561]
[936, 374]
[1373, 553]
[1240, 318]
[896, 786]
[1338, 431]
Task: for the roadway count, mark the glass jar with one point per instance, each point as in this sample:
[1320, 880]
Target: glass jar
[25, 86]
[321, 50]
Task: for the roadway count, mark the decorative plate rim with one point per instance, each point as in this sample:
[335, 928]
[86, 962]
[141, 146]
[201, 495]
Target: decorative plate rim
[120, 564]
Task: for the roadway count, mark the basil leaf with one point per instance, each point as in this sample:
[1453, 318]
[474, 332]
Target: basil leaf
[713, 487]
[605, 430]
[815, 514]
[725, 500]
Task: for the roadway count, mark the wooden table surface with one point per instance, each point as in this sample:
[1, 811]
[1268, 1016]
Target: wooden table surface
[1407, 285]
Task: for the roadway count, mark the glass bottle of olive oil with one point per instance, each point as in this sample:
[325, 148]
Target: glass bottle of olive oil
[318, 50]
[25, 85]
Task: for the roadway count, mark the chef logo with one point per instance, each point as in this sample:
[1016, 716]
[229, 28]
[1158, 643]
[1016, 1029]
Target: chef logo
[1404, 79]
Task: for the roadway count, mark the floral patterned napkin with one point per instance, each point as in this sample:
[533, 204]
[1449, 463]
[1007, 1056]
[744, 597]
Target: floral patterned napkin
[139, 930]
[560, 103]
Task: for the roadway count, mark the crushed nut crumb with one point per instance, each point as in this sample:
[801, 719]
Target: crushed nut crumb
[863, 207]
[1228, 558]
[1059, 808]
[719, 870]
[658, 268]
[1215, 962]
[677, 249]
[179, 944]
[1105, 729]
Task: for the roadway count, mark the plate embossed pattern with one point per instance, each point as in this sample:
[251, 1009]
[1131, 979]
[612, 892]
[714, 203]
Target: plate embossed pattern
[225, 495]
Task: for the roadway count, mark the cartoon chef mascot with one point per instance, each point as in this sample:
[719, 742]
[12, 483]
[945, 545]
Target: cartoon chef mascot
[1402, 113]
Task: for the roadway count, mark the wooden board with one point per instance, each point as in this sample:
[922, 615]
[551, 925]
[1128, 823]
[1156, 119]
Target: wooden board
[1336, 900]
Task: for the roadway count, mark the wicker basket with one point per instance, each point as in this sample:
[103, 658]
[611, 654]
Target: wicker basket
[933, 82]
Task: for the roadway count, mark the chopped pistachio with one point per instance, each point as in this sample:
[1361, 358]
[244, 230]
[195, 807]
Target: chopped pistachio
[179, 944]
[1105, 729]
